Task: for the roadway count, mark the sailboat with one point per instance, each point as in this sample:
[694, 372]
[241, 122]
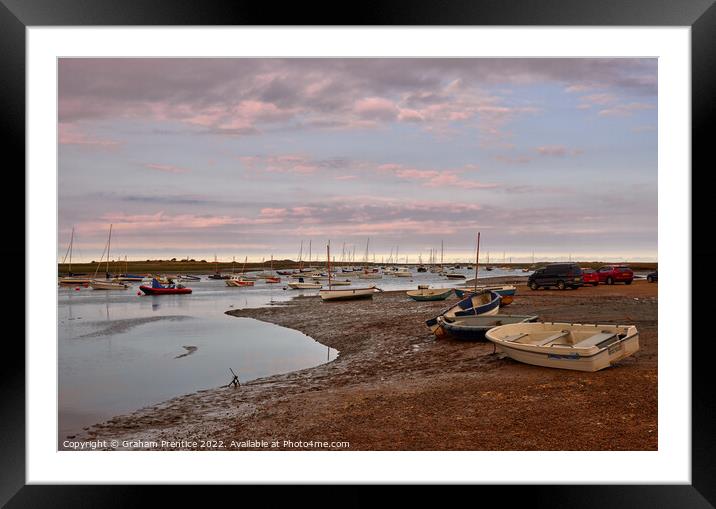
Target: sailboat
[217, 274]
[72, 279]
[272, 278]
[98, 284]
[126, 276]
[238, 281]
[345, 293]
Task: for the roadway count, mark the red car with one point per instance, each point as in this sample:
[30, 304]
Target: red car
[611, 274]
[590, 277]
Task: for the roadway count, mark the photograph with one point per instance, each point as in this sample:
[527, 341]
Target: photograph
[357, 253]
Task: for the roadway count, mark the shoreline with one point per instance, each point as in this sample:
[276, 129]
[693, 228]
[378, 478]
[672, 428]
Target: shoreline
[394, 387]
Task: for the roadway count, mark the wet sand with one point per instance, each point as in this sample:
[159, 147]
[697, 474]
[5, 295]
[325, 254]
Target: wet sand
[395, 387]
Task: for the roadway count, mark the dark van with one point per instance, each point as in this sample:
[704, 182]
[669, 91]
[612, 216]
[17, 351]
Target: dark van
[561, 275]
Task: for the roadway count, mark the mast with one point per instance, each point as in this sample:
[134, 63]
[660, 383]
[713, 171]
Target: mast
[109, 244]
[328, 262]
[300, 257]
[309, 252]
[72, 240]
[477, 259]
[442, 249]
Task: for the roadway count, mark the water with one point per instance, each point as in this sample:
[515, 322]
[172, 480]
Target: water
[119, 351]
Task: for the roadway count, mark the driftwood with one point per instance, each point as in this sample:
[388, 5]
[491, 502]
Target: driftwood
[234, 381]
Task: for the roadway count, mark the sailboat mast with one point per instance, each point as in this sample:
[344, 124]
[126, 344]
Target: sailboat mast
[72, 240]
[477, 259]
[109, 243]
[328, 262]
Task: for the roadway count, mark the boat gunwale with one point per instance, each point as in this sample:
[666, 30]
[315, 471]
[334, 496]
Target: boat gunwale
[543, 350]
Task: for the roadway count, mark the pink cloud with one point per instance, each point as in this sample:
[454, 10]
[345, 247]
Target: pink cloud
[435, 178]
[624, 110]
[558, 151]
[552, 150]
[376, 108]
[166, 168]
[70, 134]
[346, 177]
[520, 159]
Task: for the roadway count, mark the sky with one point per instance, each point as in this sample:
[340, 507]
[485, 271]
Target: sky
[250, 157]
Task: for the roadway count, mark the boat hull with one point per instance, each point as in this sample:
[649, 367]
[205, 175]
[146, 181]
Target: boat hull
[473, 328]
[429, 294]
[487, 303]
[107, 285]
[239, 282]
[305, 286]
[148, 290]
[565, 356]
[352, 294]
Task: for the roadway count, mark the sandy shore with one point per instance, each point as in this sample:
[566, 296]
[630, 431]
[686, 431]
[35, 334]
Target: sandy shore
[394, 387]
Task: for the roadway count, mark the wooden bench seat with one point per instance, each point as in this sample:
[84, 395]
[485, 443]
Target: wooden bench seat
[553, 337]
[595, 339]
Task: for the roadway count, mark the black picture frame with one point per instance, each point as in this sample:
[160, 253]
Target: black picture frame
[700, 15]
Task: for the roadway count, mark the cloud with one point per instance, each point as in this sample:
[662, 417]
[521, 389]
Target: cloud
[625, 110]
[247, 97]
[72, 135]
[557, 151]
[434, 178]
[166, 168]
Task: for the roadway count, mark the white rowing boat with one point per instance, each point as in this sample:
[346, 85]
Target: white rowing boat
[581, 347]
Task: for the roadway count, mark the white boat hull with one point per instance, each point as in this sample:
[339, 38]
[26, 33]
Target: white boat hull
[352, 294]
[305, 286]
[566, 352]
[107, 285]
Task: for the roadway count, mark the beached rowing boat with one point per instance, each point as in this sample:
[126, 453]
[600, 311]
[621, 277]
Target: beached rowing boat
[486, 303]
[426, 294]
[345, 293]
[473, 328]
[581, 347]
[348, 294]
[502, 290]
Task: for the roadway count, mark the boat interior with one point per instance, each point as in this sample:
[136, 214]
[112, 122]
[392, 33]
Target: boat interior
[600, 338]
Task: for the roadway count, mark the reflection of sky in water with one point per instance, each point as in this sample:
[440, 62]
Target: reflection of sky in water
[125, 362]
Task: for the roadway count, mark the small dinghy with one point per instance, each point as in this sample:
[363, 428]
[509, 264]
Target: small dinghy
[158, 289]
[486, 303]
[187, 277]
[507, 292]
[454, 275]
[424, 294]
[581, 347]
[348, 294]
[239, 282]
[302, 285]
[98, 284]
[273, 279]
[346, 282]
[473, 328]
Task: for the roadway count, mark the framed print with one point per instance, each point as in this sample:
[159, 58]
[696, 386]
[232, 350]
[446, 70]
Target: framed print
[360, 254]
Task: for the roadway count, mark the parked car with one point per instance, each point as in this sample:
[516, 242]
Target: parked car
[561, 275]
[611, 274]
[652, 277]
[590, 277]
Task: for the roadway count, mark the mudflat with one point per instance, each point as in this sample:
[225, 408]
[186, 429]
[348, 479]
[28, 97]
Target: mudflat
[395, 387]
